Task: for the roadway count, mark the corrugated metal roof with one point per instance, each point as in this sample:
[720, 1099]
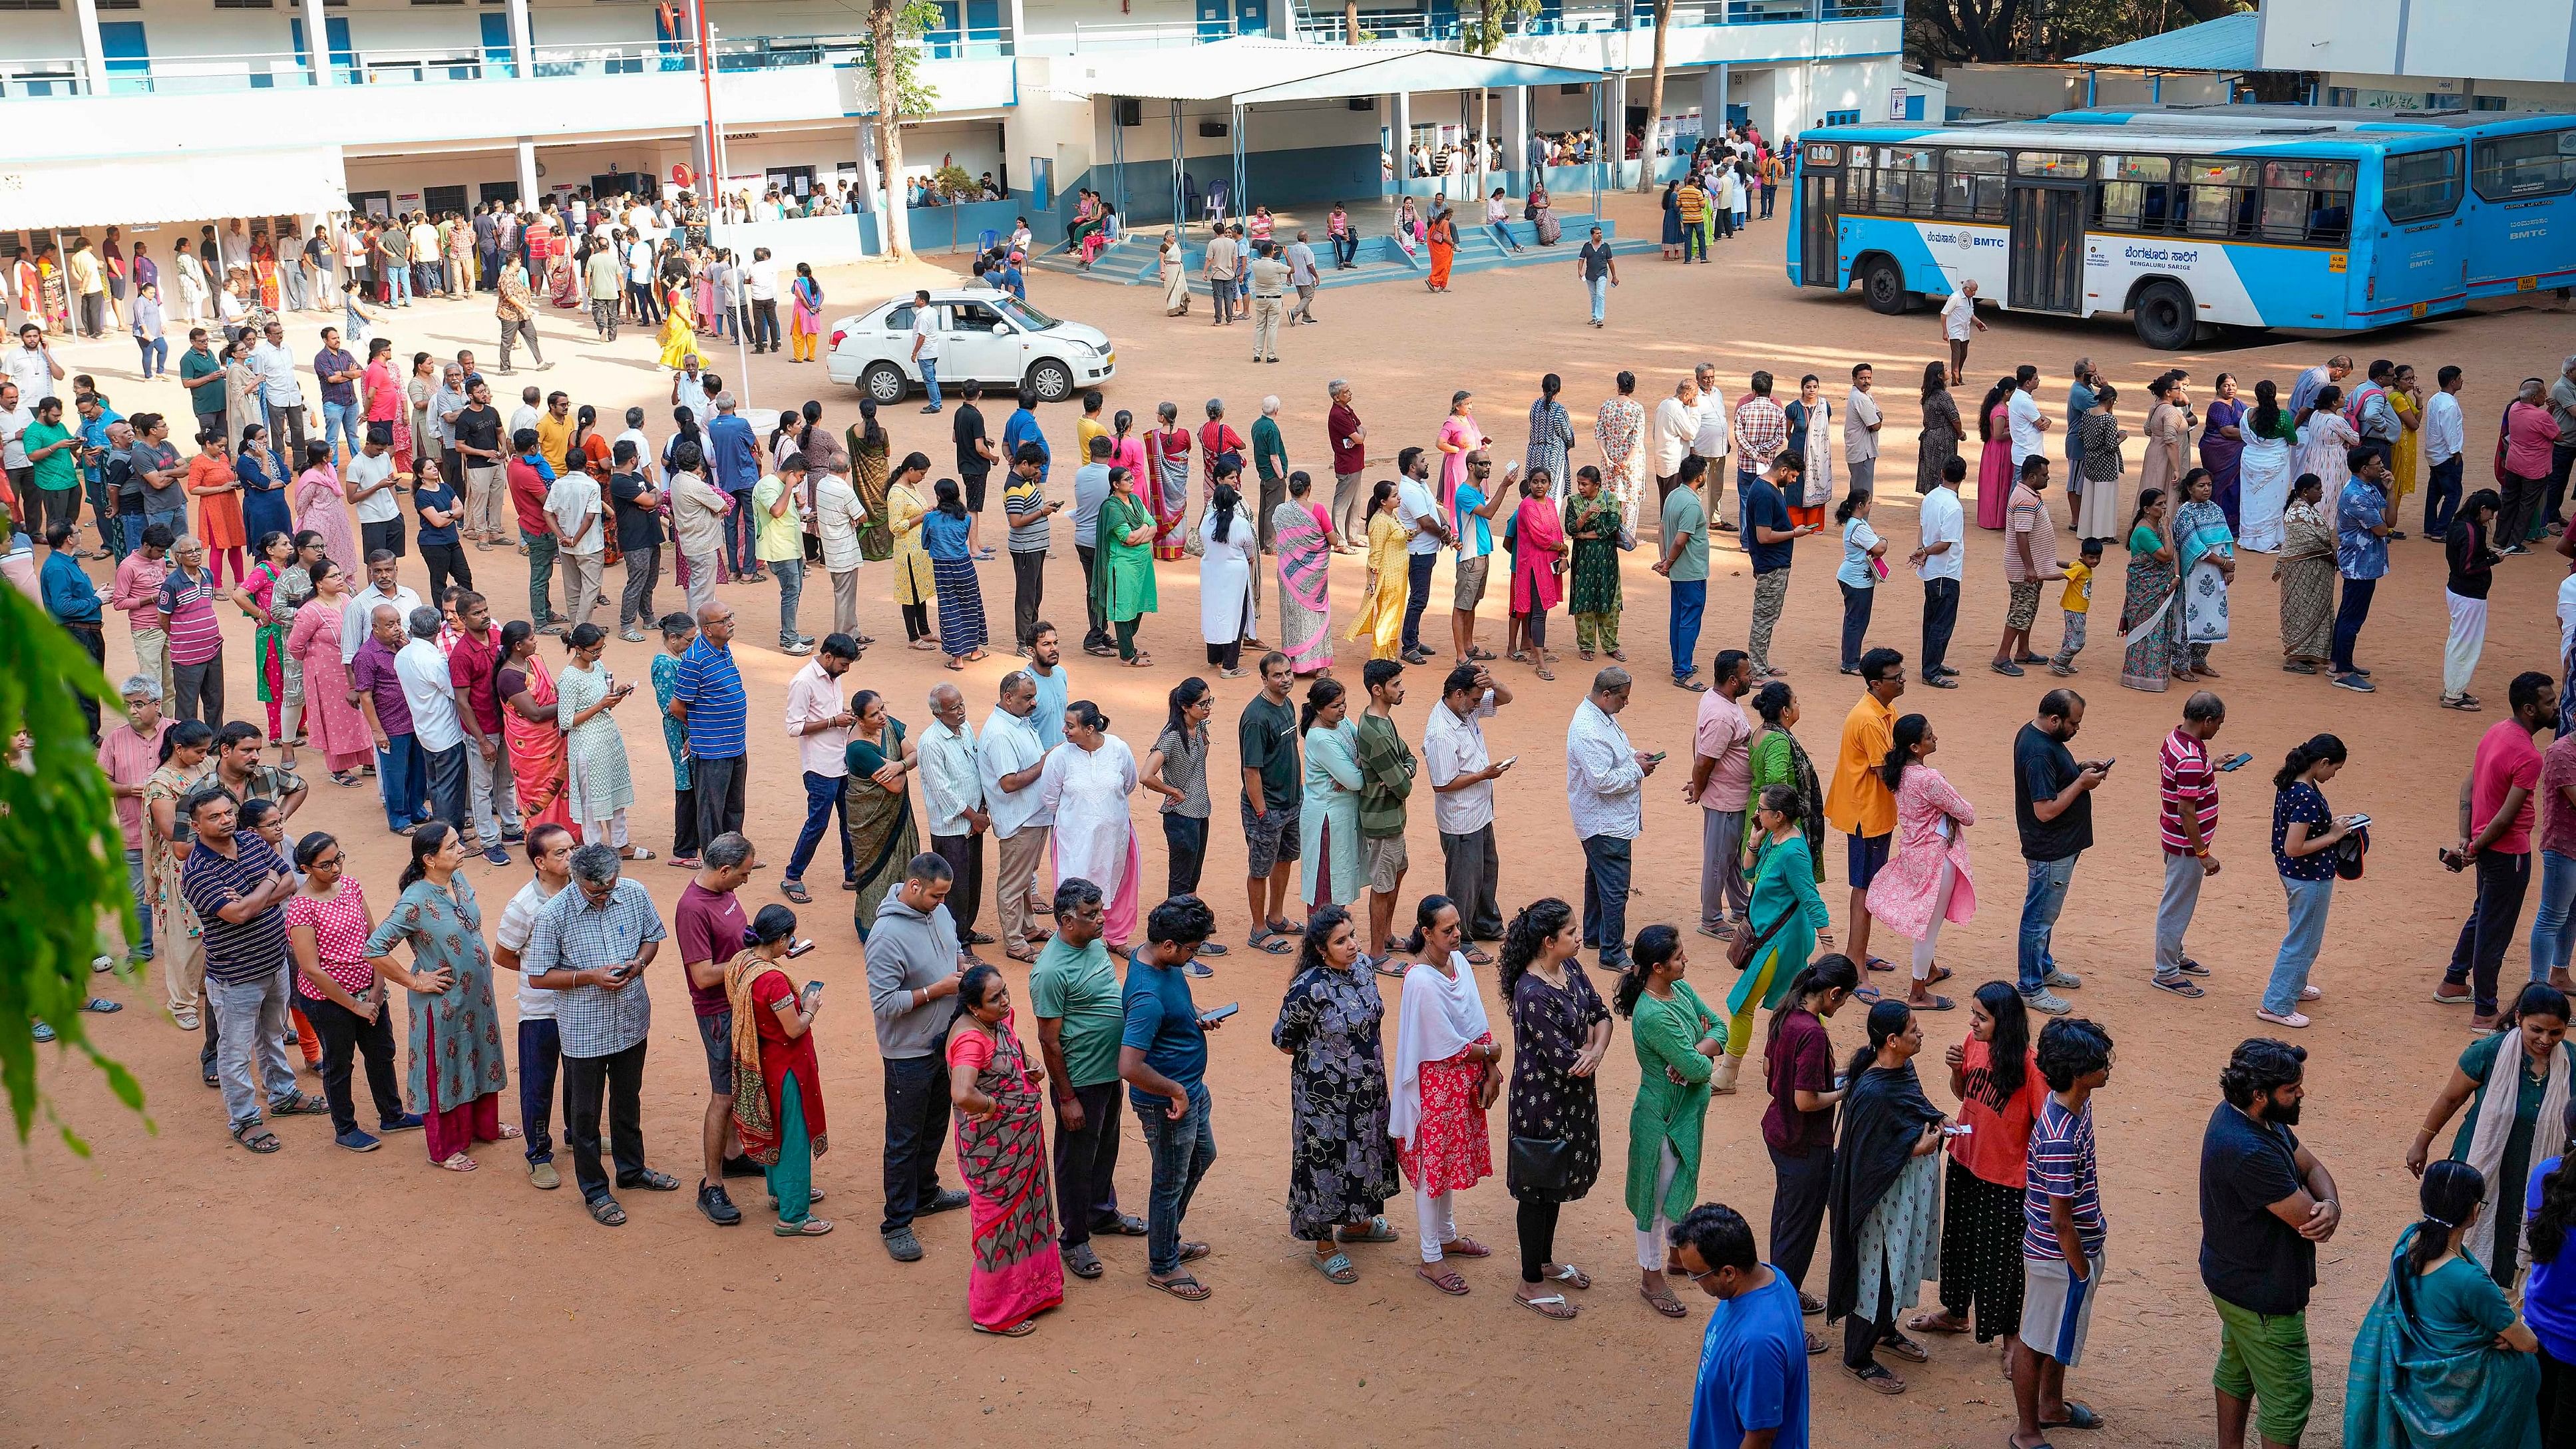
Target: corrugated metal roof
[2229, 43]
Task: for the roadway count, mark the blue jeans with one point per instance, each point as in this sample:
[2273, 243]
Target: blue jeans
[134, 877]
[823, 795]
[132, 525]
[790, 573]
[930, 380]
[1600, 288]
[1417, 597]
[740, 555]
[399, 278]
[2350, 614]
[2441, 496]
[344, 420]
[250, 1055]
[156, 355]
[1502, 234]
[2042, 899]
[403, 773]
[1182, 1148]
[2553, 927]
[1606, 871]
[540, 1052]
[1690, 602]
[1856, 610]
[2300, 944]
[175, 520]
[1694, 241]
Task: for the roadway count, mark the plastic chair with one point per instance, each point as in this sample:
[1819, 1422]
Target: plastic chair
[1216, 200]
[987, 239]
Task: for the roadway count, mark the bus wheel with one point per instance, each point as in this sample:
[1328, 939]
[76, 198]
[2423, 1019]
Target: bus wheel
[2165, 318]
[1884, 287]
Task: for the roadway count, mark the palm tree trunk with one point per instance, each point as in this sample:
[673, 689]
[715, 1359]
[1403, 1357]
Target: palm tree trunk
[898, 219]
[1350, 22]
[1655, 101]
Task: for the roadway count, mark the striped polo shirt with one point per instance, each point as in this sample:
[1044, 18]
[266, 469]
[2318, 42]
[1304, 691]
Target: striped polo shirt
[2184, 773]
[712, 689]
[189, 600]
[245, 951]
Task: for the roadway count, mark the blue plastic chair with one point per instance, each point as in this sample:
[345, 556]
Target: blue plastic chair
[987, 239]
[1216, 200]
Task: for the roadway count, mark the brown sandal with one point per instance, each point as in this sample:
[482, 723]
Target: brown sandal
[1664, 1303]
[1446, 1279]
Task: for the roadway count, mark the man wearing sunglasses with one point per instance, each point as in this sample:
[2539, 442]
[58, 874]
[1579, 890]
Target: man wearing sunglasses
[1752, 1389]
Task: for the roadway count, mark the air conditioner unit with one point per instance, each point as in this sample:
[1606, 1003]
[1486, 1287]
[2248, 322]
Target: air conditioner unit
[1212, 128]
[1363, 103]
[1131, 113]
[1572, 90]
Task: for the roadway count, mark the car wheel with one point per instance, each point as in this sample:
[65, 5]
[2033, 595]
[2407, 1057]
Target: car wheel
[884, 382]
[1052, 380]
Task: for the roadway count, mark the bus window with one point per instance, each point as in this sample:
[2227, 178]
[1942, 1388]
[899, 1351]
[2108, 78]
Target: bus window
[2133, 192]
[2218, 196]
[2307, 201]
[1972, 185]
[2537, 163]
[1908, 180]
[2421, 186]
[2054, 165]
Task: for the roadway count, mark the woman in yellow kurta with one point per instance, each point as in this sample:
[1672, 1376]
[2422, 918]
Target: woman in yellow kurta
[913, 588]
[2403, 459]
[1381, 618]
[679, 339]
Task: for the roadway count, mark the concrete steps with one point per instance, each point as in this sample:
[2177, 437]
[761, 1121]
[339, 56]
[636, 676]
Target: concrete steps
[1135, 261]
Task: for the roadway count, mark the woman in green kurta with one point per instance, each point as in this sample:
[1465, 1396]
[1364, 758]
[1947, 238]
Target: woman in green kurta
[2543, 1068]
[457, 1068]
[1784, 918]
[1677, 1039]
[880, 811]
[1328, 826]
[1122, 576]
[1592, 521]
[1776, 758]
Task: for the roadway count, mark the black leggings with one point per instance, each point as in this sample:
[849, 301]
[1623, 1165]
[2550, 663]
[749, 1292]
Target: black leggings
[347, 1037]
[916, 622]
[1537, 1223]
[1228, 655]
[446, 562]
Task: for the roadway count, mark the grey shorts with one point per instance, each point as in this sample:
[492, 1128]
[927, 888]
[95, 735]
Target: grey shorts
[715, 1033]
[1269, 839]
[1471, 582]
[1385, 862]
[2056, 1310]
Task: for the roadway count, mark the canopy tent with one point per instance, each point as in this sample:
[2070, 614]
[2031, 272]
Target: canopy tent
[40, 193]
[2228, 44]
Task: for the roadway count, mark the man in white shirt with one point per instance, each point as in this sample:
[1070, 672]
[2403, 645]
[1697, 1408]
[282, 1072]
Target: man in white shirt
[1418, 511]
[540, 1048]
[1958, 317]
[837, 517]
[1008, 760]
[761, 280]
[1605, 779]
[371, 484]
[1937, 558]
[2444, 433]
[647, 460]
[531, 407]
[1711, 440]
[925, 347]
[31, 365]
[1860, 432]
[639, 281]
[952, 804]
[1674, 429]
[15, 417]
[430, 691]
[689, 389]
[2021, 412]
[572, 510]
[280, 392]
[819, 720]
[1462, 779]
[381, 589]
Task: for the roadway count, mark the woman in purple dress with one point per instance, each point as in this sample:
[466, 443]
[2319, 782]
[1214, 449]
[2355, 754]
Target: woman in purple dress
[2222, 446]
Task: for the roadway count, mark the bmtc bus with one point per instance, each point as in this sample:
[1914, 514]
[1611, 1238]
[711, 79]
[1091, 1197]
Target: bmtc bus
[2521, 206]
[2185, 227]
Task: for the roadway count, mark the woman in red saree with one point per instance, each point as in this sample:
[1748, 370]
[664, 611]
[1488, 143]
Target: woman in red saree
[263, 269]
[1444, 247]
[1016, 1273]
[777, 1082]
[1166, 490]
[1537, 540]
[538, 760]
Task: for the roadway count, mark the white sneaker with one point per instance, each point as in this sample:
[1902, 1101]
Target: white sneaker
[2294, 1019]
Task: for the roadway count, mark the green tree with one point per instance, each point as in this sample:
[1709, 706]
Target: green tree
[891, 55]
[2022, 30]
[62, 858]
[1491, 26]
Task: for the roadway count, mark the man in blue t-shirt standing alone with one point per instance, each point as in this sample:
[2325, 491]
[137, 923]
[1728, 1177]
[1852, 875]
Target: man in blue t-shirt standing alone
[1752, 1387]
[1770, 537]
[1162, 1056]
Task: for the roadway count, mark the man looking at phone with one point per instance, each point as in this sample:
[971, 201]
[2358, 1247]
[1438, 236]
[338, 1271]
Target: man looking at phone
[540, 1048]
[913, 973]
[2187, 789]
[590, 945]
[1074, 992]
[1462, 776]
[1605, 778]
[711, 930]
[2495, 841]
[1008, 760]
[1162, 1055]
[2053, 807]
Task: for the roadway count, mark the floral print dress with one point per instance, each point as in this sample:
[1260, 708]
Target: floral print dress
[1548, 1102]
[1341, 1162]
[457, 1030]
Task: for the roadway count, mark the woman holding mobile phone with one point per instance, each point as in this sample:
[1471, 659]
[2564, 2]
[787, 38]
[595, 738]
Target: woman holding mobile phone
[457, 1071]
[777, 1080]
[1342, 1170]
[595, 750]
[1015, 1272]
[327, 925]
[2304, 835]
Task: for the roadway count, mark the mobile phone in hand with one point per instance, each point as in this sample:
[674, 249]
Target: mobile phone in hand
[1222, 1012]
[798, 948]
[2236, 762]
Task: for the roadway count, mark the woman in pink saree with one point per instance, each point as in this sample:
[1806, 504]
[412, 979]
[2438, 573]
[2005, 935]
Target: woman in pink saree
[1304, 539]
[320, 506]
[332, 725]
[1459, 436]
[1536, 538]
[1016, 1273]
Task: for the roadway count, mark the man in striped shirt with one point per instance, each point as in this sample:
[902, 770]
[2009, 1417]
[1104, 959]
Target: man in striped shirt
[2187, 787]
[238, 888]
[708, 700]
[196, 640]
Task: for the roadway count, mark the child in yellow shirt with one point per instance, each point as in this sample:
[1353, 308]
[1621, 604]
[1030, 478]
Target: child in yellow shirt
[2077, 601]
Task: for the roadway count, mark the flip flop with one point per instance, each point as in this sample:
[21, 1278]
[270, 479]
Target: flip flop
[1906, 1349]
[1270, 942]
[810, 1228]
[795, 891]
[1936, 1003]
[1181, 1286]
[1876, 1379]
[1337, 1267]
[1571, 1276]
[102, 1006]
[2179, 986]
[1929, 1322]
[1552, 1305]
[2078, 1416]
[1664, 1303]
[1480, 956]
[1021, 1329]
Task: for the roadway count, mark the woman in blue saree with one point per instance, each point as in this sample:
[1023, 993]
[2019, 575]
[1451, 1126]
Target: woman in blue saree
[2441, 1358]
[2205, 563]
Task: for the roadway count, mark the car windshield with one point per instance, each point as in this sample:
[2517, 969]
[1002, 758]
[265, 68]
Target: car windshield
[1026, 315]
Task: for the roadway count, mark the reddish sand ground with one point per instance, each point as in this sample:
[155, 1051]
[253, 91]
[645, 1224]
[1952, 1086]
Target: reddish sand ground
[177, 1288]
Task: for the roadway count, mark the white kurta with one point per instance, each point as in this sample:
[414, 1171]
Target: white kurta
[1095, 838]
[1228, 608]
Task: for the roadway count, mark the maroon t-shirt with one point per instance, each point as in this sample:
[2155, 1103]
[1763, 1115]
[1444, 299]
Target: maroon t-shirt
[710, 927]
[1348, 457]
[1801, 1059]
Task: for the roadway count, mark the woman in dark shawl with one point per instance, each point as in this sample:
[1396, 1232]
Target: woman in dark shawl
[1885, 1198]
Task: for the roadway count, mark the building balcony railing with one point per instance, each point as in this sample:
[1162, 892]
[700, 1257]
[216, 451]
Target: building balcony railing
[1599, 19]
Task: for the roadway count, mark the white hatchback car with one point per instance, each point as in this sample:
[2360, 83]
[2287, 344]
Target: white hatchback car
[988, 336]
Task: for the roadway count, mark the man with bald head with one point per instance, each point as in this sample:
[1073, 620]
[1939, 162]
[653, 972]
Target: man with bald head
[376, 688]
[707, 700]
[1008, 760]
[952, 804]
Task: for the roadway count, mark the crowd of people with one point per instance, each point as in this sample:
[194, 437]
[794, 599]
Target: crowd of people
[475, 743]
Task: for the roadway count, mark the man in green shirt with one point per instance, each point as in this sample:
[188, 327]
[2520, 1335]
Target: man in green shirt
[202, 374]
[1074, 992]
[1685, 563]
[1270, 460]
[1386, 778]
[53, 452]
[779, 540]
[1273, 792]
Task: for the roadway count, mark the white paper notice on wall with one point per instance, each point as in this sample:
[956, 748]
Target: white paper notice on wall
[1896, 103]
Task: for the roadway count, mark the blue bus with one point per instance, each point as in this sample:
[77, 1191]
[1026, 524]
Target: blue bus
[2183, 227]
[2522, 176]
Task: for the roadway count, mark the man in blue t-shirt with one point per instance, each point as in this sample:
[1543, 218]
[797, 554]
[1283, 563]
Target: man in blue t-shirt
[1770, 537]
[1753, 1360]
[1162, 1056]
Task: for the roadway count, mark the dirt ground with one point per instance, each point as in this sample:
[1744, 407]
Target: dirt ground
[176, 1288]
